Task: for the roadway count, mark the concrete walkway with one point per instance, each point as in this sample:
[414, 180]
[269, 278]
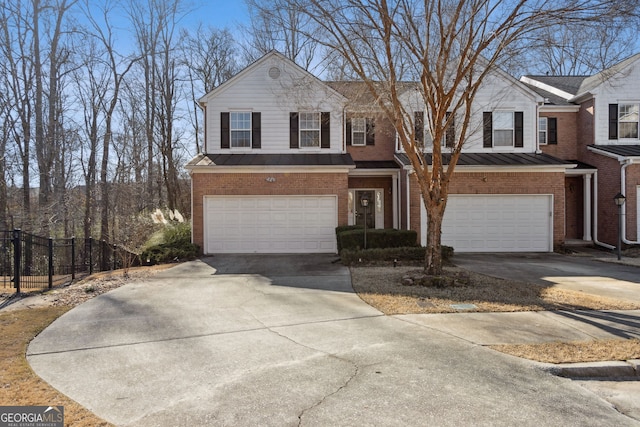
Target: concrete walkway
[283, 341]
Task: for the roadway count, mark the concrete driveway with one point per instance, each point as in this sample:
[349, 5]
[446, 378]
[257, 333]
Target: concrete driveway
[587, 274]
[283, 341]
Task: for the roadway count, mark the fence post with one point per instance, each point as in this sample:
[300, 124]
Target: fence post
[50, 263]
[17, 258]
[115, 249]
[90, 254]
[73, 258]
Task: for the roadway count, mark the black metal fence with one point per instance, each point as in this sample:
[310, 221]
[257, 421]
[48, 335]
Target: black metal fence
[30, 262]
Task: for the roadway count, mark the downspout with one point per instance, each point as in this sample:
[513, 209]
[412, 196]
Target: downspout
[408, 201]
[623, 186]
[595, 214]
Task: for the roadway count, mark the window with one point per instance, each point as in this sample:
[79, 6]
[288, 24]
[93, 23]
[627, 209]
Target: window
[358, 131]
[542, 130]
[503, 129]
[240, 130]
[309, 130]
[628, 121]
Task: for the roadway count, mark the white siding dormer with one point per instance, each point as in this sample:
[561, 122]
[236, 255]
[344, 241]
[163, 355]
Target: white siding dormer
[499, 93]
[273, 87]
[616, 97]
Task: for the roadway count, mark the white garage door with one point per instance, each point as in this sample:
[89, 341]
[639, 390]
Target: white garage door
[270, 224]
[497, 223]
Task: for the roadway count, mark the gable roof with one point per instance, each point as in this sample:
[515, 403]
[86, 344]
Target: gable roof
[556, 90]
[591, 83]
[267, 57]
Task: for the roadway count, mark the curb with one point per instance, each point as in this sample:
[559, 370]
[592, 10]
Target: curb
[617, 369]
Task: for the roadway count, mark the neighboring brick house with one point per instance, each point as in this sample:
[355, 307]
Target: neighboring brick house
[287, 158]
[594, 122]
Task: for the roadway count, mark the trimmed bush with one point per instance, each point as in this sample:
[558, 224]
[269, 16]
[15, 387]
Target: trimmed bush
[376, 239]
[341, 229]
[176, 246]
[412, 253]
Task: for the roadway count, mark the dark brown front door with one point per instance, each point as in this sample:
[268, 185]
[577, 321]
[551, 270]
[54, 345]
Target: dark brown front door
[365, 213]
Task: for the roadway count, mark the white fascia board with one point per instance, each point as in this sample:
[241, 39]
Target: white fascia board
[546, 87]
[510, 169]
[613, 155]
[559, 108]
[373, 172]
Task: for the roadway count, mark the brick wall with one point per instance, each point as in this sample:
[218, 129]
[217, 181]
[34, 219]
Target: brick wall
[385, 142]
[237, 184]
[503, 183]
[567, 135]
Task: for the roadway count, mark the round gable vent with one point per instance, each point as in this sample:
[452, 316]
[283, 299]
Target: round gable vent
[274, 72]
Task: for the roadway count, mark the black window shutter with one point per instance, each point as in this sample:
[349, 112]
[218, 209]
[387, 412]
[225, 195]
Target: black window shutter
[371, 132]
[418, 123]
[552, 130]
[487, 129]
[293, 131]
[613, 121]
[450, 136]
[519, 129]
[325, 135]
[348, 130]
[224, 130]
[256, 133]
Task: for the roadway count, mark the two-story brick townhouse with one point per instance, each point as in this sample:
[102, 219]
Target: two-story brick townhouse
[287, 158]
[593, 121]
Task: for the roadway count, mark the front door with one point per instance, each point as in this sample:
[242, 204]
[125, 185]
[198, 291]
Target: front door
[365, 215]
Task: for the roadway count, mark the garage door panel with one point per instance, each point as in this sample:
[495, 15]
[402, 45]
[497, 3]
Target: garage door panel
[497, 223]
[270, 224]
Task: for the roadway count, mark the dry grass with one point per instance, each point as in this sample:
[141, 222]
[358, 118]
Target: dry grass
[19, 385]
[382, 288]
[572, 352]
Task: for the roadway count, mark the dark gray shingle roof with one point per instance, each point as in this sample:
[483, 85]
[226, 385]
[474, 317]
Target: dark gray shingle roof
[619, 150]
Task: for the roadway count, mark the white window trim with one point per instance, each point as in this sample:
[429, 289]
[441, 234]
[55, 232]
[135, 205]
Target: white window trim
[494, 129]
[300, 130]
[637, 122]
[546, 131]
[363, 132]
[232, 129]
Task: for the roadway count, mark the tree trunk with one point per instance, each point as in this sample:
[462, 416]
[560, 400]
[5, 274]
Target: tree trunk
[433, 255]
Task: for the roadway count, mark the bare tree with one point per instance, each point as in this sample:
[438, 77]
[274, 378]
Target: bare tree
[582, 48]
[275, 26]
[18, 76]
[448, 48]
[209, 60]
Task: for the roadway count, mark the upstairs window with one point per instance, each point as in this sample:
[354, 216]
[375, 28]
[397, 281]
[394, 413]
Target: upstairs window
[628, 121]
[623, 120]
[240, 129]
[503, 129]
[358, 131]
[309, 130]
[547, 130]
